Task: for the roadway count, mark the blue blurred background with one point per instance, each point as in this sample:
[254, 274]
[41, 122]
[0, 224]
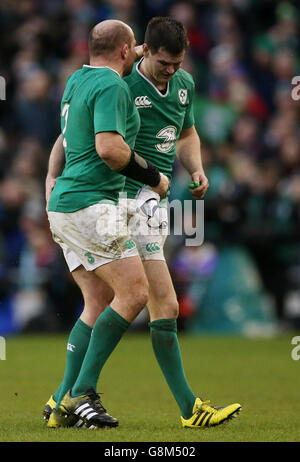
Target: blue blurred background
[245, 278]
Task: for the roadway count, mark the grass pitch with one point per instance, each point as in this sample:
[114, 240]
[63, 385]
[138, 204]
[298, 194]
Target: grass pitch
[258, 373]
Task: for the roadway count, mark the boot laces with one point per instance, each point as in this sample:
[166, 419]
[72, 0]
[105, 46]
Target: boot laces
[95, 400]
[205, 406]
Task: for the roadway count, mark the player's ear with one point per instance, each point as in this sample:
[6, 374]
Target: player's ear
[124, 51]
[145, 50]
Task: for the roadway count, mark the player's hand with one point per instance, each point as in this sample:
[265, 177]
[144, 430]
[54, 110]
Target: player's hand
[50, 183]
[139, 53]
[163, 187]
[199, 185]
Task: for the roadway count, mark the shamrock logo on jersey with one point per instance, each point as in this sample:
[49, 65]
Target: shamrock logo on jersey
[183, 93]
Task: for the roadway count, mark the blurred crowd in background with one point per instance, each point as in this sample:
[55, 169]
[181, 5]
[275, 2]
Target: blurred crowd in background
[243, 56]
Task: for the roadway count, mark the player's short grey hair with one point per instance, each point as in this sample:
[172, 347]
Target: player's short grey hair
[106, 37]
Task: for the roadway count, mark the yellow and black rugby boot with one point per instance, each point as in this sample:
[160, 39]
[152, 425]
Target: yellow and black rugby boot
[50, 412]
[205, 415]
[86, 408]
[58, 419]
[49, 406]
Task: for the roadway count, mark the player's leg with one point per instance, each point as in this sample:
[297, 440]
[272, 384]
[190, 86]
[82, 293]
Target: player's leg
[96, 295]
[127, 279]
[162, 305]
[125, 276]
[99, 243]
[163, 310]
[162, 302]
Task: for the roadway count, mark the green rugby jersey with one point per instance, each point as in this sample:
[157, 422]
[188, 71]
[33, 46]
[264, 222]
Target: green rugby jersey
[163, 116]
[95, 100]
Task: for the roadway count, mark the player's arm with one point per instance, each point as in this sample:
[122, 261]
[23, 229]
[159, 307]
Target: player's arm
[113, 150]
[55, 167]
[188, 150]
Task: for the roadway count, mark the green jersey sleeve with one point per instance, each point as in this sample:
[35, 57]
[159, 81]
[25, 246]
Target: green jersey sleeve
[111, 110]
[189, 119]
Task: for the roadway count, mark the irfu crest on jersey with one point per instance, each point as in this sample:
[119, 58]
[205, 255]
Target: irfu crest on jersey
[182, 93]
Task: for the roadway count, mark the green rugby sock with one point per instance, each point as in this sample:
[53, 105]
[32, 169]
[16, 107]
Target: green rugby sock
[167, 352]
[78, 343]
[108, 331]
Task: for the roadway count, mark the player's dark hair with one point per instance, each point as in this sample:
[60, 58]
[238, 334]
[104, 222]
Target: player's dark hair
[167, 33]
[106, 42]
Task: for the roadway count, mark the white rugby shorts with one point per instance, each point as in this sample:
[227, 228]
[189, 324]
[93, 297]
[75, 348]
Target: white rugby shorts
[93, 236]
[149, 233]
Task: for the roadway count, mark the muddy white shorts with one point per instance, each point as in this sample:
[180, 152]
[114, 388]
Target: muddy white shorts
[148, 226]
[93, 236]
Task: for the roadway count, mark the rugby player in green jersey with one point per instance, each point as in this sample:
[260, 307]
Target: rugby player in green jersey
[163, 95]
[99, 124]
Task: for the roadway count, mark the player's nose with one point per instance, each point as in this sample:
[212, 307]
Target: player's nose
[170, 69]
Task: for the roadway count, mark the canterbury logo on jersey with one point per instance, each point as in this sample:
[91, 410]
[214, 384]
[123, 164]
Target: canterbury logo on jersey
[152, 247]
[142, 102]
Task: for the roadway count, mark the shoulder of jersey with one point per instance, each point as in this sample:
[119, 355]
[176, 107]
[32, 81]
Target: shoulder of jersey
[184, 77]
[71, 84]
[132, 78]
[73, 77]
[113, 80]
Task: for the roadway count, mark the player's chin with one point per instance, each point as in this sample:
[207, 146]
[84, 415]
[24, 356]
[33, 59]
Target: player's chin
[166, 78]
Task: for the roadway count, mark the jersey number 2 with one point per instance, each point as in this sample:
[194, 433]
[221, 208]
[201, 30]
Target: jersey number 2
[65, 115]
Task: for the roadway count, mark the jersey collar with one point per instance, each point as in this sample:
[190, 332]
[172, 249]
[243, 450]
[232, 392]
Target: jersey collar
[149, 81]
[101, 67]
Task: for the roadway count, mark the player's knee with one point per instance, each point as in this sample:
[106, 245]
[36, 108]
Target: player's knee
[171, 309]
[97, 302]
[164, 308]
[168, 307]
[91, 311]
[144, 298]
[139, 294]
